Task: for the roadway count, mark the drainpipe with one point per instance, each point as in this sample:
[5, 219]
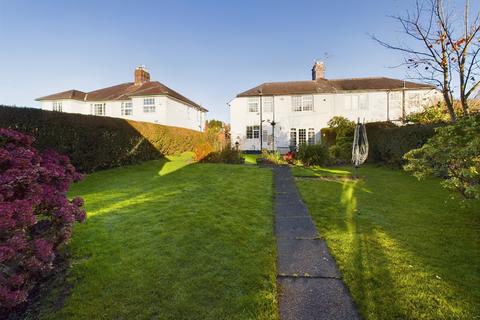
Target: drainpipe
[273, 123]
[261, 121]
[388, 105]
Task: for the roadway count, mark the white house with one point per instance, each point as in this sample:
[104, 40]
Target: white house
[141, 100]
[278, 115]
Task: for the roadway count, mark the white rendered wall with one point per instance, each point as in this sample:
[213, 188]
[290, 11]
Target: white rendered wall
[167, 111]
[376, 106]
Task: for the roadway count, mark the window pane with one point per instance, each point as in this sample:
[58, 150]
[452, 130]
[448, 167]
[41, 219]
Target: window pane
[302, 136]
[256, 132]
[249, 132]
[311, 136]
[296, 103]
[253, 104]
[293, 137]
[98, 109]
[307, 103]
[267, 104]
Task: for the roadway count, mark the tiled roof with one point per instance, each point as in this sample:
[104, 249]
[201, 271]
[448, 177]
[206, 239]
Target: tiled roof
[69, 94]
[124, 91]
[331, 86]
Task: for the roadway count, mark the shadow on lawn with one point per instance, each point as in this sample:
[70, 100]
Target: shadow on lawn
[110, 190]
[367, 263]
[393, 252]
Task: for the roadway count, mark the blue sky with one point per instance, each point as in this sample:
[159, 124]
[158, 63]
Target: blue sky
[207, 50]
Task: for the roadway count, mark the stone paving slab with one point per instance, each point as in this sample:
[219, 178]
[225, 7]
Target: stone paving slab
[305, 258]
[290, 211]
[296, 227]
[314, 299]
[309, 282]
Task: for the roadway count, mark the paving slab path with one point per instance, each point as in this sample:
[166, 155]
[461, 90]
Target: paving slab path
[310, 285]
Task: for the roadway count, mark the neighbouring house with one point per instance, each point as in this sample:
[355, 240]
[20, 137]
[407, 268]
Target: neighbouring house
[141, 100]
[281, 115]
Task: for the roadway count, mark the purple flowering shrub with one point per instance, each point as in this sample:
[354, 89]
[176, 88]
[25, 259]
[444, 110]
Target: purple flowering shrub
[36, 217]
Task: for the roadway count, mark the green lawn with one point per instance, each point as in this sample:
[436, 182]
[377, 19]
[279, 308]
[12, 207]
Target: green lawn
[174, 240]
[405, 249]
[251, 158]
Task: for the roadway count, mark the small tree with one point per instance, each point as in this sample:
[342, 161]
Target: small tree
[432, 114]
[454, 154]
[445, 48]
[36, 218]
[344, 131]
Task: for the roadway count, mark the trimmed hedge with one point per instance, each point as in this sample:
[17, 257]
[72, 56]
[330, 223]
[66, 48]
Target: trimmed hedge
[93, 142]
[388, 142]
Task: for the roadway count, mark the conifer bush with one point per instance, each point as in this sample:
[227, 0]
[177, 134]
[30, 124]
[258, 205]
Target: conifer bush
[36, 217]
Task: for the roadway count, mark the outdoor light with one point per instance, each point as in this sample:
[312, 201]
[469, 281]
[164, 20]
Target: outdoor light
[236, 145]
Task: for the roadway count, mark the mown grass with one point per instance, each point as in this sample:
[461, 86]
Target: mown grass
[406, 250]
[251, 158]
[174, 240]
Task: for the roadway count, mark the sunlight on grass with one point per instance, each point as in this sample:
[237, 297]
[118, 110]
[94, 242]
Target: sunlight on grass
[319, 171]
[251, 158]
[176, 162]
[405, 249]
[159, 244]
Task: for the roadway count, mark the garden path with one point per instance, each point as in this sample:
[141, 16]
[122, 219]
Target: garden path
[310, 284]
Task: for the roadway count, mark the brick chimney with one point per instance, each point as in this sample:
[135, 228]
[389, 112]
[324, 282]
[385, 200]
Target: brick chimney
[318, 70]
[141, 75]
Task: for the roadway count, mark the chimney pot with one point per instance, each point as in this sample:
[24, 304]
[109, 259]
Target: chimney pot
[141, 75]
[318, 70]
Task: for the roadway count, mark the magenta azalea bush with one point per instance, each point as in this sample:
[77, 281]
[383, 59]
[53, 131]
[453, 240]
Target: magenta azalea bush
[36, 217]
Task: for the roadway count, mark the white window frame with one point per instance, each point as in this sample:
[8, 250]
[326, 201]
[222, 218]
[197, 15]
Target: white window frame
[296, 103]
[98, 109]
[57, 106]
[293, 137]
[127, 108]
[253, 104]
[307, 103]
[253, 132]
[149, 105]
[267, 105]
[311, 136]
[302, 103]
[302, 136]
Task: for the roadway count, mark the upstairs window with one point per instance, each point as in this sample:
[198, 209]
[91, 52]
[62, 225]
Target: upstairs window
[307, 103]
[296, 103]
[149, 105]
[267, 104]
[311, 136]
[253, 132]
[57, 106]
[98, 109]
[127, 109]
[253, 104]
[302, 103]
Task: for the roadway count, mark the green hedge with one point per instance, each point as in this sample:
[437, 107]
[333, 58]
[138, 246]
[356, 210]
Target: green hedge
[94, 143]
[388, 142]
